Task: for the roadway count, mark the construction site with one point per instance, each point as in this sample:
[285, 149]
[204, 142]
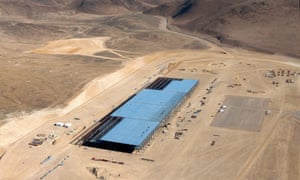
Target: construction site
[210, 123]
[130, 126]
[133, 96]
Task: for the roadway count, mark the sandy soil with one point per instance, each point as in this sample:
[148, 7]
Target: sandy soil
[83, 46]
[78, 73]
[244, 153]
[46, 62]
[264, 25]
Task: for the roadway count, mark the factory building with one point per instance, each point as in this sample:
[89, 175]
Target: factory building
[130, 126]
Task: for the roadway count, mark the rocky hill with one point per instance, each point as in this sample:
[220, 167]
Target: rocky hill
[36, 8]
[271, 26]
[268, 25]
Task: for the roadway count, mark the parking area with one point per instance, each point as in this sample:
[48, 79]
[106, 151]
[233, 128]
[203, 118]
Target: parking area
[242, 113]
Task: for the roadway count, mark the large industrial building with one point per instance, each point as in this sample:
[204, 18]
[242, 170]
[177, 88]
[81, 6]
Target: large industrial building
[131, 125]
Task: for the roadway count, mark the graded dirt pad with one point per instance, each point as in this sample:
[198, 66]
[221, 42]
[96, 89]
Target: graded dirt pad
[242, 113]
[83, 46]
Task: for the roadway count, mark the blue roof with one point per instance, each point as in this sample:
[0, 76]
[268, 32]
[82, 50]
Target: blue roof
[184, 85]
[143, 113]
[131, 131]
[156, 97]
[151, 105]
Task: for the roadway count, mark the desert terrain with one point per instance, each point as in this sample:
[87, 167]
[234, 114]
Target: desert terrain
[75, 61]
[270, 26]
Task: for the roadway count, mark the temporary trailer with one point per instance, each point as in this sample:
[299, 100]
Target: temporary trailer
[59, 124]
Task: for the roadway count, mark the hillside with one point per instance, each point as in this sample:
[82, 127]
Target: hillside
[221, 112]
[271, 26]
[38, 8]
[52, 77]
[267, 25]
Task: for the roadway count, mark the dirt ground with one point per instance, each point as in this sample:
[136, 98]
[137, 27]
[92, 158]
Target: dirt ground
[268, 153]
[45, 64]
[271, 26]
[76, 69]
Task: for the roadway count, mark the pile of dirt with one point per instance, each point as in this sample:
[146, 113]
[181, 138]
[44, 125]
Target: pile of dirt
[267, 25]
[2, 152]
[99, 173]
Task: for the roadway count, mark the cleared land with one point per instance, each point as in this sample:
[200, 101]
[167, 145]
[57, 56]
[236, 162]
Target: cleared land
[245, 153]
[243, 113]
[45, 64]
[78, 86]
